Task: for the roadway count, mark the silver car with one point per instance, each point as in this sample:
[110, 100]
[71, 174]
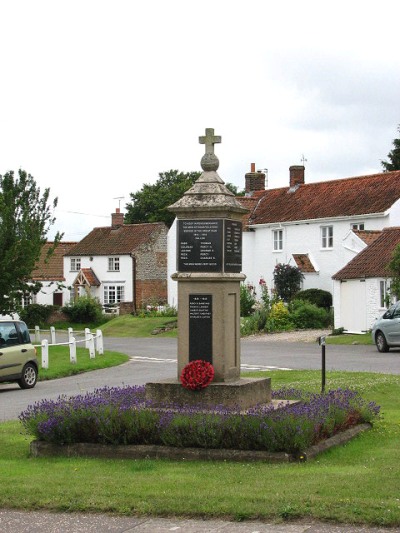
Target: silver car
[386, 330]
[18, 361]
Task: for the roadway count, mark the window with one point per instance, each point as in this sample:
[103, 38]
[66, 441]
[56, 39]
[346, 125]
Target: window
[113, 264]
[383, 294]
[114, 294]
[278, 240]
[359, 226]
[75, 264]
[327, 236]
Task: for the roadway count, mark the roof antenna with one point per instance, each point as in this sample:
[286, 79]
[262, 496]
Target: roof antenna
[303, 159]
[119, 198]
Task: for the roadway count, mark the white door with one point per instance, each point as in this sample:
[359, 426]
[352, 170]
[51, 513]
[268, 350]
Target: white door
[353, 305]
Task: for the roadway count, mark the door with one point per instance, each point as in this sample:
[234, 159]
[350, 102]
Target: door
[353, 305]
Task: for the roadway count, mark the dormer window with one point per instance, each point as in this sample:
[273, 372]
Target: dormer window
[75, 264]
[113, 264]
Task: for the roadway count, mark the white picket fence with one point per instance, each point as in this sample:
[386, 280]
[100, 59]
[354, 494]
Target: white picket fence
[93, 342]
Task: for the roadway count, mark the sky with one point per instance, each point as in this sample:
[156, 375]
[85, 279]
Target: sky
[98, 97]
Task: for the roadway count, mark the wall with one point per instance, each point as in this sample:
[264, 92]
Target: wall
[45, 295]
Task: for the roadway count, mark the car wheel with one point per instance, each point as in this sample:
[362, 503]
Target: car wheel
[381, 343]
[29, 377]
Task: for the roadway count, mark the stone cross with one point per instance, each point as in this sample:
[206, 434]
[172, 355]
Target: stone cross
[209, 139]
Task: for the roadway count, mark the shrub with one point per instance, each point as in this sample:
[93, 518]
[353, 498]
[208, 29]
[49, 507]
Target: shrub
[306, 315]
[36, 314]
[247, 300]
[254, 323]
[279, 318]
[84, 310]
[317, 297]
[287, 280]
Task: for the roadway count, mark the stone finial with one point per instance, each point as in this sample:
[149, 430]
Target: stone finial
[209, 161]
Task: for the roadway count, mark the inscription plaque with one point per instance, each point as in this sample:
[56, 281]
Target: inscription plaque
[200, 245]
[200, 327]
[233, 246]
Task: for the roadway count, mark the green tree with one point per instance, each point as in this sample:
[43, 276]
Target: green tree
[394, 156]
[394, 269]
[287, 281]
[150, 203]
[25, 219]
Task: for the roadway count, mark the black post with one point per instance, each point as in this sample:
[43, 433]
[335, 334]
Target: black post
[322, 343]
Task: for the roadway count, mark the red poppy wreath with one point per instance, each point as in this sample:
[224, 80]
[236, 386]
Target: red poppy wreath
[197, 375]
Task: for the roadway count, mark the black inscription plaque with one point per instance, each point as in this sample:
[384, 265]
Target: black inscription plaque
[200, 245]
[200, 327]
[233, 246]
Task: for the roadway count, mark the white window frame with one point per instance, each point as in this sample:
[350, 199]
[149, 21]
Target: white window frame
[327, 237]
[114, 293]
[113, 264]
[358, 226]
[383, 289]
[75, 264]
[277, 240]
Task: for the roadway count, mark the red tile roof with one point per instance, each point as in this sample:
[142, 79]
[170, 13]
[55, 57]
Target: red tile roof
[368, 236]
[123, 240]
[303, 262]
[52, 269]
[336, 198]
[90, 277]
[373, 260]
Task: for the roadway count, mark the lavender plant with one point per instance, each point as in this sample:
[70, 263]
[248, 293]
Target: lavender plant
[124, 416]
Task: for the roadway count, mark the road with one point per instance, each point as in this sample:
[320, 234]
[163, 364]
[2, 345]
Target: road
[155, 358]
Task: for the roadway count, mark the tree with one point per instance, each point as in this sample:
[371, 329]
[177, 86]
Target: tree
[394, 269]
[394, 156]
[287, 280]
[151, 202]
[25, 219]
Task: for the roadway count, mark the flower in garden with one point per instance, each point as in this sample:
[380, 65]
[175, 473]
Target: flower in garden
[197, 375]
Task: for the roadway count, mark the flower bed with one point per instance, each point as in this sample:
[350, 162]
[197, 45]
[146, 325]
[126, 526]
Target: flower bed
[122, 416]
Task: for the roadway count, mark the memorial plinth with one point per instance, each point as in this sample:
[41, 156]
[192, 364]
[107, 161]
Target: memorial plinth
[209, 264]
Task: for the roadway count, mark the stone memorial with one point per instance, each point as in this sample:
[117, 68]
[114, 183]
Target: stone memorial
[209, 263]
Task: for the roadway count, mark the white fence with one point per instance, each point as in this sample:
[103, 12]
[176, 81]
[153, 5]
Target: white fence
[92, 342]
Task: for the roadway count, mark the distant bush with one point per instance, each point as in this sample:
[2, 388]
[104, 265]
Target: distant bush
[254, 323]
[306, 315]
[36, 314]
[279, 318]
[247, 300]
[317, 297]
[84, 310]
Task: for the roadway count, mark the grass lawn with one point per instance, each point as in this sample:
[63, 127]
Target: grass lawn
[358, 482]
[348, 338]
[60, 365]
[133, 326]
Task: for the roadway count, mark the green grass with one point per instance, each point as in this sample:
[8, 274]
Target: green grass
[348, 338]
[60, 365]
[357, 482]
[132, 326]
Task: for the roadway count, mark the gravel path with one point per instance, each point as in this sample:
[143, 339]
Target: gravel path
[304, 335]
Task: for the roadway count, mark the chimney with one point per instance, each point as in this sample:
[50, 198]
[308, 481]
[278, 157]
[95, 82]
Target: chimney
[255, 181]
[117, 219]
[296, 173]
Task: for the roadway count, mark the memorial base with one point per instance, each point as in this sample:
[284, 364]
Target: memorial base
[243, 393]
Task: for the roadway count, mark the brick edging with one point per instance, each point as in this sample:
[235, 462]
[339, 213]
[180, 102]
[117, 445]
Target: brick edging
[104, 451]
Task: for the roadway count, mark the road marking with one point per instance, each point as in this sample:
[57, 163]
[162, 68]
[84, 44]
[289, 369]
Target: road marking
[242, 366]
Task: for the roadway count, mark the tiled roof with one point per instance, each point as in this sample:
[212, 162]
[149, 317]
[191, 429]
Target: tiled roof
[303, 262]
[122, 240]
[51, 270]
[372, 261]
[336, 198]
[249, 202]
[368, 236]
[89, 276]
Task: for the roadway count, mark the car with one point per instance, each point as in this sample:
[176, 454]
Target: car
[18, 359]
[386, 329]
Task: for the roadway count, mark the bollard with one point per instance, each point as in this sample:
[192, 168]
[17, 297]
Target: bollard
[72, 350]
[70, 334]
[45, 353]
[87, 336]
[91, 347]
[37, 334]
[323, 368]
[53, 335]
[99, 342]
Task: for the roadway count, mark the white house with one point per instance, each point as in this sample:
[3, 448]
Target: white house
[316, 226]
[123, 265]
[361, 288]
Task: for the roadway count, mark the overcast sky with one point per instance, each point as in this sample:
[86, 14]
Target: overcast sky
[97, 97]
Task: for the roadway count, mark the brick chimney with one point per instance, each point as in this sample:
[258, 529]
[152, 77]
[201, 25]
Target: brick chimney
[255, 181]
[296, 173]
[117, 219]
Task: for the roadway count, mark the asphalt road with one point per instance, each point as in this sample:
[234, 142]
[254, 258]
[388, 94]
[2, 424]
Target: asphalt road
[155, 358]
